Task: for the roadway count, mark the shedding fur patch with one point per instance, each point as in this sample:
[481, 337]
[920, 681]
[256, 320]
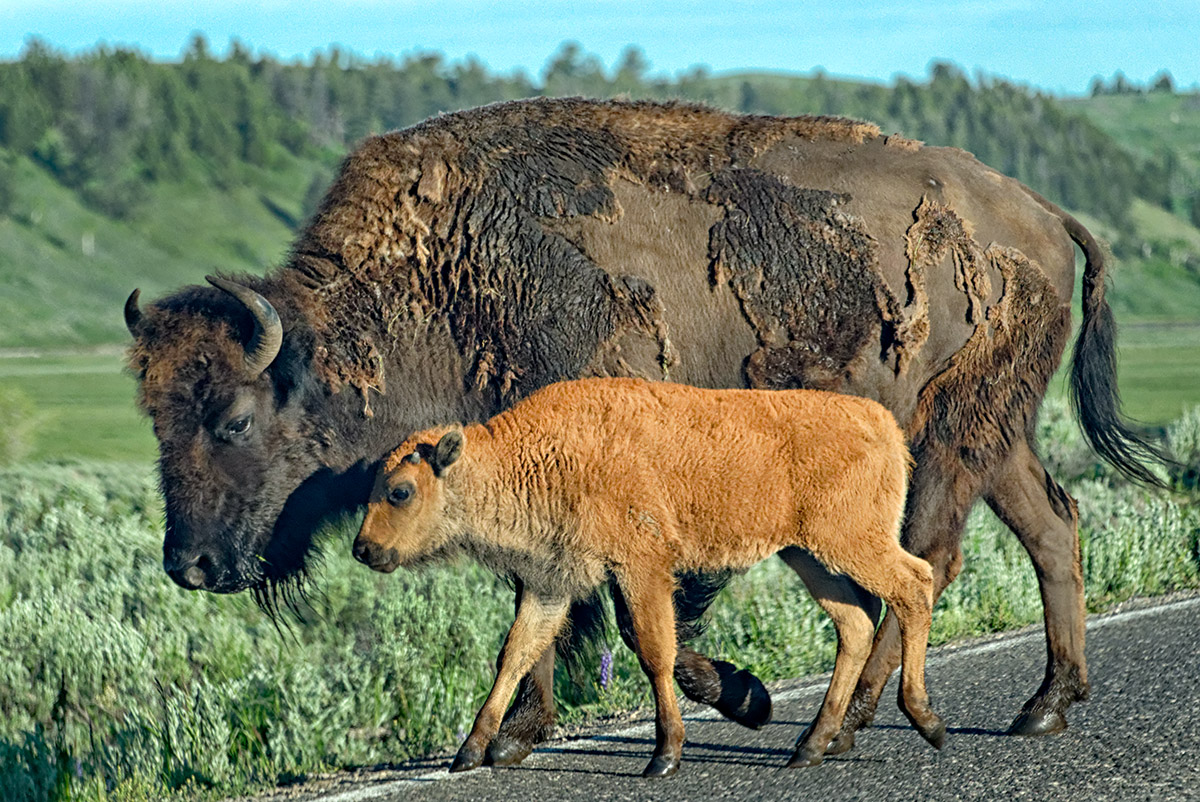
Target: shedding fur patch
[805, 274]
[642, 312]
[937, 232]
[988, 393]
[902, 143]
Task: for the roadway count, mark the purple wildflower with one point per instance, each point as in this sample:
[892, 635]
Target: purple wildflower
[461, 734]
[606, 666]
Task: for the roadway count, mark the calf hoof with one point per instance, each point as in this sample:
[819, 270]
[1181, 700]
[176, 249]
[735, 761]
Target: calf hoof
[1038, 722]
[934, 732]
[842, 743]
[506, 751]
[661, 766]
[754, 708]
[469, 757]
[803, 758]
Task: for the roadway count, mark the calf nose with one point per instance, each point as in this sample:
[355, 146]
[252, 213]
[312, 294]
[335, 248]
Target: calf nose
[362, 551]
[188, 571]
[375, 556]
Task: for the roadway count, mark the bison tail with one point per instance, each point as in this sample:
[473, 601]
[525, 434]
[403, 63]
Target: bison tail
[1094, 394]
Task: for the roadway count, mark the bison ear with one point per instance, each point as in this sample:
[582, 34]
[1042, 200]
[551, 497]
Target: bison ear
[447, 452]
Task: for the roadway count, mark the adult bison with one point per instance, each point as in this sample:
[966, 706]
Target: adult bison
[458, 265]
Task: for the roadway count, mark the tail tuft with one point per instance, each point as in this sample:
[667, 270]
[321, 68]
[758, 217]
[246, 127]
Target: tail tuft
[1094, 393]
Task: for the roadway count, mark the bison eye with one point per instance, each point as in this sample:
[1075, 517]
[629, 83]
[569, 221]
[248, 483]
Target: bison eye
[238, 427]
[400, 495]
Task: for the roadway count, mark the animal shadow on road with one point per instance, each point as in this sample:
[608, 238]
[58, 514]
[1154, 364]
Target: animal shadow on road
[949, 730]
[639, 748]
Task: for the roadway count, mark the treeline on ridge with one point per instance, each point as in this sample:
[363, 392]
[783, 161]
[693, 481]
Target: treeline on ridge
[106, 121]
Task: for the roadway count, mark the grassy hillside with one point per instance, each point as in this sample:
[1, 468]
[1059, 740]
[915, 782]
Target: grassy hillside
[1154, 274]
[1162, 129]
[66, 269]
[1148, 123]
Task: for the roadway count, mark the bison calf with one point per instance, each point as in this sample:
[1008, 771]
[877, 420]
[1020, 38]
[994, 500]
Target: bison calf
[642, 481]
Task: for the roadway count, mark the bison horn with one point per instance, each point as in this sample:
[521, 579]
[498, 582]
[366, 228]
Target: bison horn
[133, 315]
[268, 331]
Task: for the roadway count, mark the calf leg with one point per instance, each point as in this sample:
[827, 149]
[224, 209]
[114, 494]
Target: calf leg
[650, 607]
[530, 720]
[1044, 518]
[855, 622]
[735, 693]
[531, 635]
[941, 492]
[912, 599]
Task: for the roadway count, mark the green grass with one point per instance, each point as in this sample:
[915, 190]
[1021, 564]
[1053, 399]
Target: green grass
[1159, 381]
[1158, 368]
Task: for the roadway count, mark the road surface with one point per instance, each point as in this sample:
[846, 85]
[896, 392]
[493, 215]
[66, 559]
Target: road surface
[1138, 738]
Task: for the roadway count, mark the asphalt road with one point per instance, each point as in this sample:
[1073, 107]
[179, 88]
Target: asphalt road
[1138, 738]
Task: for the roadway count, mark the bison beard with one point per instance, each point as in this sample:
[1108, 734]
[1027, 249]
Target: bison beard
[458, 265]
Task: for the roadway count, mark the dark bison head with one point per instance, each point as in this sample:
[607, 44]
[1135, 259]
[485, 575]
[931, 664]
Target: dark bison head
[227, 397]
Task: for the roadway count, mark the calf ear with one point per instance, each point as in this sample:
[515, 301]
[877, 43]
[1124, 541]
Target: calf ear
[447, 452]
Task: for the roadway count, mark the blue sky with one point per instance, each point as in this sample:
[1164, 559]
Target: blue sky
[1054, 46]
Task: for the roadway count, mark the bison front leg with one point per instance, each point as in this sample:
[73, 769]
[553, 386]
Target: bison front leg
[530, 720]
[531, 635]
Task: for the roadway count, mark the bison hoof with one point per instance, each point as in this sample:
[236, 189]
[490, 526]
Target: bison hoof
[803, 758]
[662, 766]
[1035, 722]
[506, 751]
[841, 744]
[469, 757]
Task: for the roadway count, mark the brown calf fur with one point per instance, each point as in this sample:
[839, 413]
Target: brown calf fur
[642, 481]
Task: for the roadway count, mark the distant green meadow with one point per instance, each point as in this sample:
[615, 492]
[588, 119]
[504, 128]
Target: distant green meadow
[84, 402]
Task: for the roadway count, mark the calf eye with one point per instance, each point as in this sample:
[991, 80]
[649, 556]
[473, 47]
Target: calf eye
[400, 495]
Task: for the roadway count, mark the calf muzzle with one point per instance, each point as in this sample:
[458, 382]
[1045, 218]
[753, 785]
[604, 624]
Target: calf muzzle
[376, 557]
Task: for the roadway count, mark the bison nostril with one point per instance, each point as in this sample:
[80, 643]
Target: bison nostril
[193, 577]
[189, 572]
